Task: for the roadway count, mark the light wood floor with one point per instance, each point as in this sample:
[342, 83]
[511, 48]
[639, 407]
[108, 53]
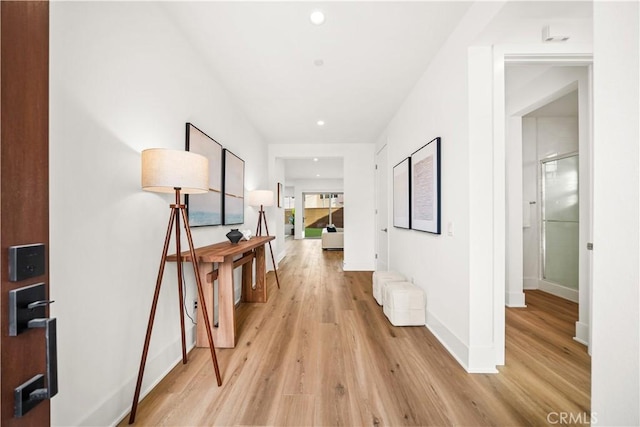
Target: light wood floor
[321, 352]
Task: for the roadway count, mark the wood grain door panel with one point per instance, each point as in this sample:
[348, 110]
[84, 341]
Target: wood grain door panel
[24, 184]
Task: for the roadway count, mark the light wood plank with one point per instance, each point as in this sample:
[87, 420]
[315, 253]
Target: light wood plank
[296, 410]
[321, 352]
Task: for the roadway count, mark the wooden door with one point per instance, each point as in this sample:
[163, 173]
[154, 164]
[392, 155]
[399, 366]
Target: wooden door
[24, 186]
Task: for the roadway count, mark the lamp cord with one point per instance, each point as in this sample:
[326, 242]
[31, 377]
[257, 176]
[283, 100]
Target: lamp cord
[184, 300]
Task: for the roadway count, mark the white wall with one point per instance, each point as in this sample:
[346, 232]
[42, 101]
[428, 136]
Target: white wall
[615, 370]
[122, 79]
[358, 181]
[275, 215]
[441, 264]
[463, 272]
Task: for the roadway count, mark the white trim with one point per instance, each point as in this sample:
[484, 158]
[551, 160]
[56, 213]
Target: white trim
[474, 360]
[359, 266]
[582, 333]
[482, 360]
[499, 192]
[558, 290]
[454, 345]
[515, 299]
[570, 53]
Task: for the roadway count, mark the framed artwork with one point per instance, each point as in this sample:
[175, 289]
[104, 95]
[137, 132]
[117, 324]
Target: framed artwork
[233, 184]
[205, 209]
[280, 195]
[401, 194]
[425, 188]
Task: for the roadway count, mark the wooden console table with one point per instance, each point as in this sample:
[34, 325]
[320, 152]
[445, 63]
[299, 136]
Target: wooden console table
[224, 254]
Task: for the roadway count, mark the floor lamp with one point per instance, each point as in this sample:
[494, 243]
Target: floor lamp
[174, 171]
[263, 198]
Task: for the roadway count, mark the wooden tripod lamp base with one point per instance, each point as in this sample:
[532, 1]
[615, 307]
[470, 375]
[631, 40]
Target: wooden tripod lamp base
[167, 171]
[263, 198]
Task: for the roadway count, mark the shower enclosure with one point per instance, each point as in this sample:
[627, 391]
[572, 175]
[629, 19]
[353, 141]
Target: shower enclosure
[560, 220]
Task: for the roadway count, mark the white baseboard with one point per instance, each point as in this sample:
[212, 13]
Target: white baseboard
[358, 266]
[475, 360]
[156, 369]
[449, 340]
[582, 333]
[559, 291]
[515, 299]
[482, 360]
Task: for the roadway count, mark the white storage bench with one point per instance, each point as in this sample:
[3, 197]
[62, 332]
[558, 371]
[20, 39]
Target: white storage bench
[380, 279]
[404, 304]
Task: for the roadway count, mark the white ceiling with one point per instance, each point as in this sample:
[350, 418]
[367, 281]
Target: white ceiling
[323, 168]
[263, 53]
[565, 106]
[373, 53]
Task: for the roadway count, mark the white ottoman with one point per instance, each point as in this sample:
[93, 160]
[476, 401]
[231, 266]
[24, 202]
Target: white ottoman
[404, 304]
[382, 277]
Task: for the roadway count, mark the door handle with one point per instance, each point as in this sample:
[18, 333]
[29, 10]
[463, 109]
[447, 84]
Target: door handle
[27, 311]
[50, 334]
[383, 229]
[32, 392]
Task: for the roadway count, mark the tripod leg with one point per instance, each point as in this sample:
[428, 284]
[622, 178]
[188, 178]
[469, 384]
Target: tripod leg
[152, 316]
[275, 269]
[196, 270]
[180, 294]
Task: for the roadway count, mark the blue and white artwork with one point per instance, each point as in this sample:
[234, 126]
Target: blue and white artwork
[205, 209]
[233, 189]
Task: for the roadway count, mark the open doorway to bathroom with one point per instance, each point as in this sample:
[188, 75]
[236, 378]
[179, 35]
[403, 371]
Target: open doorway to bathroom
[549, 185]
[551, 214]
[548, 198]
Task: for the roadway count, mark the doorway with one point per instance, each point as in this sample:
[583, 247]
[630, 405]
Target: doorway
[547, 125]
[382, 214]
[489, 66]
[322, 210]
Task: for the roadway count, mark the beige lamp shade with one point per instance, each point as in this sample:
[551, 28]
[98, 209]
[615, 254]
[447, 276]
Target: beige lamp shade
[164, 170]
[260, 198]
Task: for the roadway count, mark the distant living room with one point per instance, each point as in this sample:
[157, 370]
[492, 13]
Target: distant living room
[323, 216]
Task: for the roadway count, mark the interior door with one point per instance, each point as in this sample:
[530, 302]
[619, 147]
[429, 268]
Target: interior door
[382, 213]
[24, 212]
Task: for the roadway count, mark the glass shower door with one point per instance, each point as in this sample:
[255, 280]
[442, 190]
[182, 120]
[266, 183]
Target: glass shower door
[560, 221]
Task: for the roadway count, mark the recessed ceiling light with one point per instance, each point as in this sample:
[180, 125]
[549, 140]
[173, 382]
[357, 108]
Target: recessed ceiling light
[317, 175]
[318, 62]
[317, 17]
[320, 122]
[315, 159]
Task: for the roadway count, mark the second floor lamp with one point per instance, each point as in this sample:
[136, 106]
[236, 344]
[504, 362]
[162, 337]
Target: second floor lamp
[262, 198]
